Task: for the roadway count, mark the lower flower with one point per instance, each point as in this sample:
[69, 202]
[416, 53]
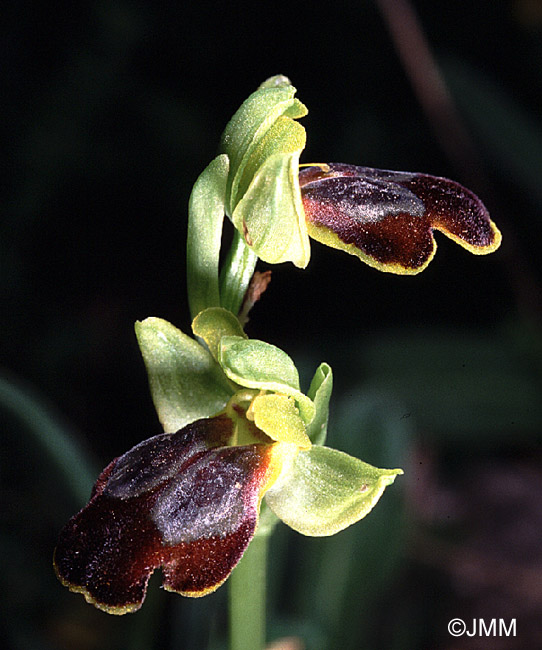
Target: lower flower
[189, 502]
[177, 501]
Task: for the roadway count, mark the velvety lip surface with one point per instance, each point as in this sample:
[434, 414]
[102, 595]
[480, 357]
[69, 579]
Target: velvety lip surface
[175, 501]
[387, 218]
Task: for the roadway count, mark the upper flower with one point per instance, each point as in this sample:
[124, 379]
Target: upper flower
[385, 218]
[263, 143]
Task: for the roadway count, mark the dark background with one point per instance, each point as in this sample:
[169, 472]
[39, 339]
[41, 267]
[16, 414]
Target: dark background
[110, 112]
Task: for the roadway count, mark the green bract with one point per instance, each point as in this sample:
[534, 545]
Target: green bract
[320, 392]
[206, 210]
[254, 181]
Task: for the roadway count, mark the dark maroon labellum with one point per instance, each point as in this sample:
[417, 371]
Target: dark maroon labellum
[387, 218]
[180, 501]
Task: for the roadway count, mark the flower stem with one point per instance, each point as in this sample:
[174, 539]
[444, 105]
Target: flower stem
[236, 274]
[247, 592]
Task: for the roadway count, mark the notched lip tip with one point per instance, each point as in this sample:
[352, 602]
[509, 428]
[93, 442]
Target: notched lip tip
[118, 610]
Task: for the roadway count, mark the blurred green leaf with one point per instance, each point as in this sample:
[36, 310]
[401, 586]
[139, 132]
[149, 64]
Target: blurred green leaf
[458, 385]
[512, 137]
[46, 432]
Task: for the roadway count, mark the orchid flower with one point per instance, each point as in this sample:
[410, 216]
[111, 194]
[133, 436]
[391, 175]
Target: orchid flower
[385, 218]
[188, 500]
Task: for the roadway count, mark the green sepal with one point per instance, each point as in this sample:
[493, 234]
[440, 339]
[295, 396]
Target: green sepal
[186, 382]
[271, 216]
[320, 393]
[249, 124]
[326, 490]
[278, 417]
[205, 219]
[263, 143]
[256, 364]
[284, 136]
[214, 323]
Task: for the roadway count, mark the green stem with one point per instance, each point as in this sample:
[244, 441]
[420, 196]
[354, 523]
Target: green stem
[247, 592]
[236, 274]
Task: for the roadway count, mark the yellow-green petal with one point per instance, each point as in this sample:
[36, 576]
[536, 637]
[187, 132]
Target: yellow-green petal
[214, 323]
[278, 417]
